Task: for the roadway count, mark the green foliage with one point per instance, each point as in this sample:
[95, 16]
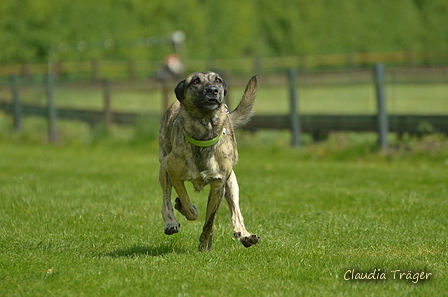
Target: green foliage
[219, 29]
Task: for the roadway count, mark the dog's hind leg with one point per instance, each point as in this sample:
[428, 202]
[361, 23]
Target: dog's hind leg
[232, 197]
[171, 224]
[214, 201]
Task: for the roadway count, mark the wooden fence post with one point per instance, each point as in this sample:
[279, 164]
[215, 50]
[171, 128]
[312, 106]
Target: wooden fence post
[294, 113]
[16, 103]
[51, 108]
[107, 104]
[383, 123]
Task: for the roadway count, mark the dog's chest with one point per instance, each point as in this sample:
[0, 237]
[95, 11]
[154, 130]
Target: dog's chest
[206, 165]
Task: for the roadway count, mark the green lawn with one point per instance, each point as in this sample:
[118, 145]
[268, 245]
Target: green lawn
[85, 221]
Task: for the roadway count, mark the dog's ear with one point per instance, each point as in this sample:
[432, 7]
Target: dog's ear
[224, 84]
[179, 90]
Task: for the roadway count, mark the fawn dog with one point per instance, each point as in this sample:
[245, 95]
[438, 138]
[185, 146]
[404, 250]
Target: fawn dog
[197, 144]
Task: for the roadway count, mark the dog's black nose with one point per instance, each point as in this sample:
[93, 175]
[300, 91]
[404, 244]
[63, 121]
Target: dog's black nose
[212, 91]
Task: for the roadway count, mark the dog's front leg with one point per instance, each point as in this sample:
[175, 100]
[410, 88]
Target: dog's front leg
[232, 197]
[214, 201]
[183, 203]
[171, 224]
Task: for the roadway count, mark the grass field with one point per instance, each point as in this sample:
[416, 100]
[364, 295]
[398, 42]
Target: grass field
[83, 220]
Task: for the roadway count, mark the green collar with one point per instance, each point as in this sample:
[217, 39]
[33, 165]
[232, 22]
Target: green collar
[205, 143]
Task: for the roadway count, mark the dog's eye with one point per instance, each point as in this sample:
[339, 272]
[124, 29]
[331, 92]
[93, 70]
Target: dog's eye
[196, 81]
[218, 80]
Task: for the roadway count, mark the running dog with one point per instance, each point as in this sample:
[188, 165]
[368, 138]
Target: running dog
[197, 144]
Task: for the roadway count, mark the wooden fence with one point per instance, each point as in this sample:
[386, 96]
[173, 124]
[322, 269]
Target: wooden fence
[297, 123]
[100, 69]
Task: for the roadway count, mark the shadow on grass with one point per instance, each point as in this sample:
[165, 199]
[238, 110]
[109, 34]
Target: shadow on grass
[136, 251]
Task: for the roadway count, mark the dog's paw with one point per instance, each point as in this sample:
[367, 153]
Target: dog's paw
[248, 241]
[180, 208]
[205, 246]
[170, 229]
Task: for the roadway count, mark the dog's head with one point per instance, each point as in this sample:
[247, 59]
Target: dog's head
[203, 92]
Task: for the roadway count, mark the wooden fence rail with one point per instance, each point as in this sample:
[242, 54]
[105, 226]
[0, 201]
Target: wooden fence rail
[313, 124]
[90, 117]
[324, 124]
[296, 122]
[99, 69]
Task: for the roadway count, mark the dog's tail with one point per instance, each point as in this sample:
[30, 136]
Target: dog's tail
[242, 113]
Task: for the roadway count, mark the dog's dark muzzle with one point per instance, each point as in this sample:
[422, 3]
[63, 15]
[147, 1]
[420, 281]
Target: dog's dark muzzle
[211, 98]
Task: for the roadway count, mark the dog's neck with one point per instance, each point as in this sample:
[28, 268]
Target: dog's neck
[211, 124]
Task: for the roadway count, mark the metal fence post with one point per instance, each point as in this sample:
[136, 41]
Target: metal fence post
[16, 103]
[294, 113]
[383, 123]
[51, 108]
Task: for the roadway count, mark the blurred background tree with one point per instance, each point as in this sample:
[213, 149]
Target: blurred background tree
[220, 29]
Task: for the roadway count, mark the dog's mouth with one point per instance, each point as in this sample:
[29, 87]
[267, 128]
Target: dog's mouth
[211, 102]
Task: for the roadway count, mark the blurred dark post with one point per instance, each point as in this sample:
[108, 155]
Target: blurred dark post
[294, 115]
[16, 103]
[107, 104]
[383, 124]
[51, 108]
